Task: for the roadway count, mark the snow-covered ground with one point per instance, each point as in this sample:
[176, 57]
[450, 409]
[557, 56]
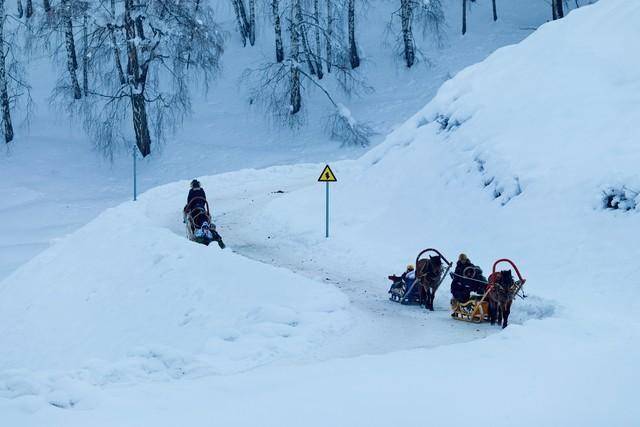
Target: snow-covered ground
[124, 322]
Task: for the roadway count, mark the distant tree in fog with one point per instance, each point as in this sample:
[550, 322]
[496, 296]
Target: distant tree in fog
[427, 14]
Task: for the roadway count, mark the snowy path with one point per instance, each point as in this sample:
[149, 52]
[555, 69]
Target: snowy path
[379, 325]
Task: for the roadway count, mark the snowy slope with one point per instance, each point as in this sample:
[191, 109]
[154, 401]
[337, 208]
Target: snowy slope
[125, 296]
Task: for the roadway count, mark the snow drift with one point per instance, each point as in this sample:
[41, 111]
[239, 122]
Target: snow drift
[125, 296]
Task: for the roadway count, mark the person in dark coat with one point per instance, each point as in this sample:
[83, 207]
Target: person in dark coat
[197, 198]
[196, 204]
[467, 278]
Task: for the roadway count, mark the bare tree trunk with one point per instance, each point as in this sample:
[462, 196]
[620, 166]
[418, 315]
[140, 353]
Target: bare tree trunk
[559, 9]
[29, 11]
[195, 14]
[302, 34]
[20, 9]
[46, 5]
[329, 35]
[85, 54]
[4, 94]
[114, 44]
[136, 80]
[239, 22]
[277, 27]
[354, 58]
[244, 25]
[318, 56]
[72, 60]
[464, 17]
[295, 98]
[252, 22]
[495, 10]
[406, 18]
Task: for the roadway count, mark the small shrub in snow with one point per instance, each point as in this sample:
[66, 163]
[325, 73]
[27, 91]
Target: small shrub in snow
[346, 129]
[446, 123]
[620, 199]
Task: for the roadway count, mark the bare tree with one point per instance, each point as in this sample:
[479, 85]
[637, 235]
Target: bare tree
[20, 9]
[277, 28]
[406, 19]
[282, 86]
[13, 87]
[329, 30]
[246, 22]
[7, 125]
[301, 26]
[354, 57]
[464, 17]
[317, 26]
[424, 14]
[85, 49]
[294, 65]
[141, 57]
[70, 45]
[557, 9]
[252, 22]
[495, 10]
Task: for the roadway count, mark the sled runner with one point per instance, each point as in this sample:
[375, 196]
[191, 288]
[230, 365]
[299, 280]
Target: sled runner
[494, 302]
[419, 288]
[198, 223]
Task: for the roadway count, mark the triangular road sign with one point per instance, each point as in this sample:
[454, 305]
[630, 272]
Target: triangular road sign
[327, 175]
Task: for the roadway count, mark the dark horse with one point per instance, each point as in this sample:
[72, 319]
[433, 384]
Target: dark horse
[502, 291]
[429, 277]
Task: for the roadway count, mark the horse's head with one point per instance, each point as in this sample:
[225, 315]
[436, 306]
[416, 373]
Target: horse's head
[435, 265]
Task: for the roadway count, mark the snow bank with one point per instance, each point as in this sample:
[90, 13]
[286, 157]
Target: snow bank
[128, 295]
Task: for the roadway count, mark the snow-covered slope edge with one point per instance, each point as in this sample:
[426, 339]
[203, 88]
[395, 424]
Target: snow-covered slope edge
[125, 297]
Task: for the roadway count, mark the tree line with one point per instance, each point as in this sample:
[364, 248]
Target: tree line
[127, 67]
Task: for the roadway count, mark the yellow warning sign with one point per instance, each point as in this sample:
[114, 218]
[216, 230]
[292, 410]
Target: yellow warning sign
[327, 175]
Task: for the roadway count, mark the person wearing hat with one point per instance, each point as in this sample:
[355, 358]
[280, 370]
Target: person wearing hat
[196, 208]
[461, 286]
[405, 280]
[196, 198]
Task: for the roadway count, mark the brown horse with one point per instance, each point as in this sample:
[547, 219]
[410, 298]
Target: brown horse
[429, 277]
[502, 291]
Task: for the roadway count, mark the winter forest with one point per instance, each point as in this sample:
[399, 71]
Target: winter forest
[126, 69]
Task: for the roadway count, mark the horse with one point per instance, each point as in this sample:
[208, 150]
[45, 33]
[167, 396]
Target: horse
[429, 277]
[502, 291]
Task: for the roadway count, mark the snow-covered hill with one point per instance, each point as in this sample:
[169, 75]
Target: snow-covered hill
[515, 157]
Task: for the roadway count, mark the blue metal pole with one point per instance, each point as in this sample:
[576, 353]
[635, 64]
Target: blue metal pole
[135, 176]
[326, 234]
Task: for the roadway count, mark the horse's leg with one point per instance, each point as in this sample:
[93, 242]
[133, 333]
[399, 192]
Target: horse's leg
[493, 308]
[507, 311]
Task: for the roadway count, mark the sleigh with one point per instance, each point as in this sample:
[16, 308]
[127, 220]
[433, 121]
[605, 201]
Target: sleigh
[431, 269]
[477, 309]
[199, 227]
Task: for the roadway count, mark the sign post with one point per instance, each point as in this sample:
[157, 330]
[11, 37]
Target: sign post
[327, 176]
[135, 175]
